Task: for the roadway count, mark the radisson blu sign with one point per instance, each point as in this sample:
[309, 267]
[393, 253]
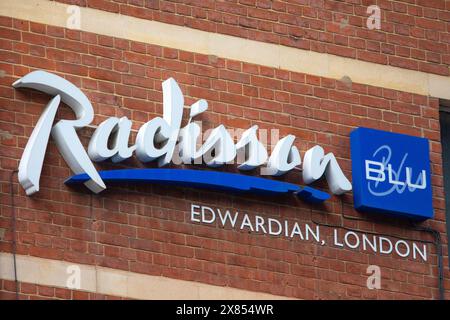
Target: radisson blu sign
[387, 175]
[391, 173]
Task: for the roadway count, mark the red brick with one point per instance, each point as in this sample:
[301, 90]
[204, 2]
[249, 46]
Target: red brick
[146, 228]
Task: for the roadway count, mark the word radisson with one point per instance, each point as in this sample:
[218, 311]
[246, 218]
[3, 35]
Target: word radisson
[159, 139]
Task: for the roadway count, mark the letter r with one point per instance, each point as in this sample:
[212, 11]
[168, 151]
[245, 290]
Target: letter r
[64, 132]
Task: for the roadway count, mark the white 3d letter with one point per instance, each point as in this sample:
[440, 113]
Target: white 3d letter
[223, 145]
[164, 130]
[316, 163]
[190, 133]
[118, 130]
[284, 157]
[218, 141]
[30, 166]
[63, 132]
[255, 154]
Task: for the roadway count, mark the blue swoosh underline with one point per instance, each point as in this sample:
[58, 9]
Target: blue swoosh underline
[206, 179]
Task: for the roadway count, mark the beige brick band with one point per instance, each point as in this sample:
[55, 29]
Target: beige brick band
[271, 55]
[55, 273]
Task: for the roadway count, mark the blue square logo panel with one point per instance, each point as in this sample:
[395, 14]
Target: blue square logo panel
[391, 173]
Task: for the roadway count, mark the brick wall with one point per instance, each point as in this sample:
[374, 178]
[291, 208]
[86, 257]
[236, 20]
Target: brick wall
[414, 34]
[147, 229]
[30, 291]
